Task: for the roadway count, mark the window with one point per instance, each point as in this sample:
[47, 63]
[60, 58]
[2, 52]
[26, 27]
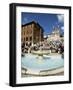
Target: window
[26, 38]
[27, 32]
[30, 44]
[30, 38]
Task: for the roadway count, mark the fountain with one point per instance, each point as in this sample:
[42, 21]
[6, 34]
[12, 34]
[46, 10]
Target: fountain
[35, 63]
[40, 53]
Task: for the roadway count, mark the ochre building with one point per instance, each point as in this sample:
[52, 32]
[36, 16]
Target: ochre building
[32, 33]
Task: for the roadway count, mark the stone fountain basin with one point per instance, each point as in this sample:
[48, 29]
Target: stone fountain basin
[44, 66]
[44, 72]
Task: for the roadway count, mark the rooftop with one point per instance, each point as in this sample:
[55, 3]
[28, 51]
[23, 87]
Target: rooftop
[33, 22]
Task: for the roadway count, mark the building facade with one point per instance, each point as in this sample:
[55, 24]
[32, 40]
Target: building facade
[32, 33]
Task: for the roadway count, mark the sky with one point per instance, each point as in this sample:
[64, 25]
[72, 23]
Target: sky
[46, 21]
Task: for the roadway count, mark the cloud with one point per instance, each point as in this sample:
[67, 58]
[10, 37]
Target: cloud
[62, 27]
[60, 18]
[25, 19]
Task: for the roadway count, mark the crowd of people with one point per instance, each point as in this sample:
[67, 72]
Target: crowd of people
[54, 46]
